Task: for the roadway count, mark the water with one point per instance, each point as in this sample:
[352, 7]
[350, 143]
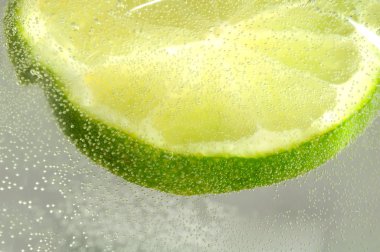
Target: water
[52, 198]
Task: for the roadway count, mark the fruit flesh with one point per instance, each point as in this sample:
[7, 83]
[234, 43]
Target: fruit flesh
[180, 79]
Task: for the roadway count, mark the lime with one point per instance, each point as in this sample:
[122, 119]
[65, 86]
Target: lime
[194, 97]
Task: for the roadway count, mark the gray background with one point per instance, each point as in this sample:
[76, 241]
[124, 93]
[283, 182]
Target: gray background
[52, 198]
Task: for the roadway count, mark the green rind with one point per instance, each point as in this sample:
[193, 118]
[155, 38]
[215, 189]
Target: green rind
[18, 50]
[175, 173]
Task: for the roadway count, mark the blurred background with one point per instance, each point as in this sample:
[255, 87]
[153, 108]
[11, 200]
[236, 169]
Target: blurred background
[52, 198]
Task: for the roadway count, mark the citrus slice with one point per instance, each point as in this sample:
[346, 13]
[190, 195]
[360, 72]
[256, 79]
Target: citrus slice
[194, 97]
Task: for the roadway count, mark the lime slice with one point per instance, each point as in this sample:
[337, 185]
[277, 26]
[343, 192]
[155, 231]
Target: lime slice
[194, 97]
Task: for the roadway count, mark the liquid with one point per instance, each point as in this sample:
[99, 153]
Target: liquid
[52, 198]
